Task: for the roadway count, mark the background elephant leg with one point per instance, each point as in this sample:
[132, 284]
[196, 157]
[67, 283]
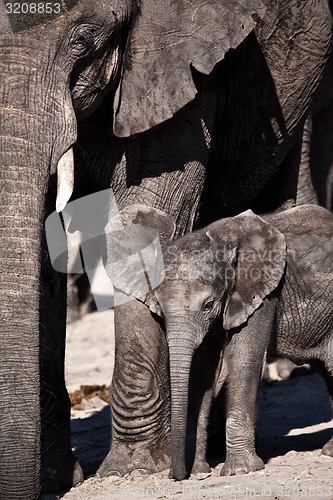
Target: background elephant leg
[245, 355]
[202, 383]
[306, 193]
[328, 448]
[321, 155]
[140, 395]
[326, 370]
[200, 464]
[60, 470]
[281, 190]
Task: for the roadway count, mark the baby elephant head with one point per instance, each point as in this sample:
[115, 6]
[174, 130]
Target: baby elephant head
[219, 274]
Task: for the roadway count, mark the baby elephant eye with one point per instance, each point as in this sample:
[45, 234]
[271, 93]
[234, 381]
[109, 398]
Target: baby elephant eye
[209, 305]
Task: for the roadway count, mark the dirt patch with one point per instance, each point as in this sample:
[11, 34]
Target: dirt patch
[87, 392]
[294, 422]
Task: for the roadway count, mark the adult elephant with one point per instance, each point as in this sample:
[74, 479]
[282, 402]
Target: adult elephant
[52, 62]
[60, 75]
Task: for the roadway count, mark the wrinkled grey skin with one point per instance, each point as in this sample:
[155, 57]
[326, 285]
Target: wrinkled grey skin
[268, 283]
[59, 85]
[321, 140]
[316, 170]
[306, 192]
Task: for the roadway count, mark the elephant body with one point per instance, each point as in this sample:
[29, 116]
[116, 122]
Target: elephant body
[200, 139]
[263, 285]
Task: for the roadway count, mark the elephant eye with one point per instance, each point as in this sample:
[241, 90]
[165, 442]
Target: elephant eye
[82, 43]
[209, 305]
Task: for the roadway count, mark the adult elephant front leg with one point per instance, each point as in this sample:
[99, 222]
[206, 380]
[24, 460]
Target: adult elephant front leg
[60, 468]
[140, 397]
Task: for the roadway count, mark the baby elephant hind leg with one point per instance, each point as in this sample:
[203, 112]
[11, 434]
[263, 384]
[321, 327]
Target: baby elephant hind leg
[203, 378]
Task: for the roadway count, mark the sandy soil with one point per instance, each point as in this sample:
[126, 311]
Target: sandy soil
[294, 422]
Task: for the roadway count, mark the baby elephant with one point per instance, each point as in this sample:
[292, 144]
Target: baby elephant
[268, 281]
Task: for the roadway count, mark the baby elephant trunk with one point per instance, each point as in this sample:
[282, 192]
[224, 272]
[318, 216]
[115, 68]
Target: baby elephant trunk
[181, 350]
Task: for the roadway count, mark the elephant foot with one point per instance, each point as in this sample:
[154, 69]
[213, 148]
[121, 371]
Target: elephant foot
[241, 465]
[200, 466]
[60, 473]
[328, 448]
[126, 459]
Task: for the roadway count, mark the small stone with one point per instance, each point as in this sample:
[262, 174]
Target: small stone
[94, 403]
[200, 476]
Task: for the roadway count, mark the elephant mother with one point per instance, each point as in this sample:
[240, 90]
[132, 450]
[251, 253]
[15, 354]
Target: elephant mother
[53, 58]
[60, 62]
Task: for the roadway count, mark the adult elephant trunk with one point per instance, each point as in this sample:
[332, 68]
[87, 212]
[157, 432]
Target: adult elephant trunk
[28, 154]
[22, 203]
[181, 335]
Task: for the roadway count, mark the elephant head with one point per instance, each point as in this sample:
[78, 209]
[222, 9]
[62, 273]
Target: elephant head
[219, 274]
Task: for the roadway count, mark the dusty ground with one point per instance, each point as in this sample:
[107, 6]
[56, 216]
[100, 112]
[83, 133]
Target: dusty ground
[294, 421]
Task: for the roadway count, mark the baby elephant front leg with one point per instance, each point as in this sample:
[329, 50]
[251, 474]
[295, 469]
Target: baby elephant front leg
[245, 355]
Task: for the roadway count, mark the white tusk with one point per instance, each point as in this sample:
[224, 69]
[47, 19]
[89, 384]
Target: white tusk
[65, 171]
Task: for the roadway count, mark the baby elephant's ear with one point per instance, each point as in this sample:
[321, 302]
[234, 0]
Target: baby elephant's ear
[144, 215]
[260, 267]
[261, 259]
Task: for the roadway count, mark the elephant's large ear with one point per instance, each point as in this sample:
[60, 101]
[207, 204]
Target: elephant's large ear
[144, 215]
[162, 222]
[261, 259]
[169, 36]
